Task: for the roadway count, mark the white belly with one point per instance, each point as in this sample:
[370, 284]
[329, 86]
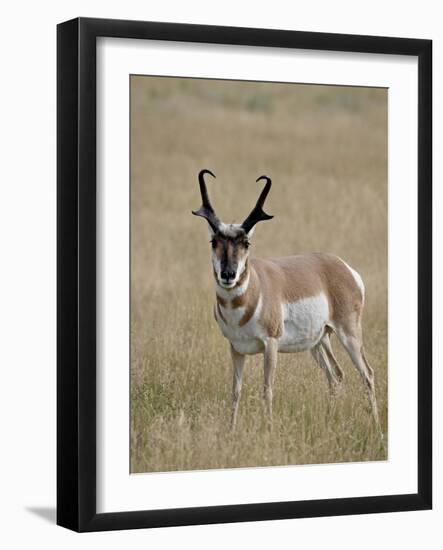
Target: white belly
[249, 346]
[303, 326]
[303, 323]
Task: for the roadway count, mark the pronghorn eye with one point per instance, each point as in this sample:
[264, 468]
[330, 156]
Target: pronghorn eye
[213, 243]
[246, 244]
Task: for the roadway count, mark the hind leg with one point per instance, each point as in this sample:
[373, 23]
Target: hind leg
[352, 342]
[321, 357]
[326, 342]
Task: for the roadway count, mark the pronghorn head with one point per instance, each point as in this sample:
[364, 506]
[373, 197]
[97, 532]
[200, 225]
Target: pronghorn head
[230, 242]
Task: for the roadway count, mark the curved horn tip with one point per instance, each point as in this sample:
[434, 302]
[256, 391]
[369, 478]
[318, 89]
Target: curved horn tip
[205, 171]
[262, 178]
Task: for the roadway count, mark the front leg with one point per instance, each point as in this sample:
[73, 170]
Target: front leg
[271, 350]
[238, 362]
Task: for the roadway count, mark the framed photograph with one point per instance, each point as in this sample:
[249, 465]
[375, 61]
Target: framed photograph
[244, 274]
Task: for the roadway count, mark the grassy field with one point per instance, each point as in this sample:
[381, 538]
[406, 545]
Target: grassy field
[326, 151]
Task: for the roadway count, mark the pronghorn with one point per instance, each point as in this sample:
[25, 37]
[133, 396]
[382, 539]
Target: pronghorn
[288, 304]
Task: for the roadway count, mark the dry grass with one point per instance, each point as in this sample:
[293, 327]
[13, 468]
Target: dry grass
[326, 151]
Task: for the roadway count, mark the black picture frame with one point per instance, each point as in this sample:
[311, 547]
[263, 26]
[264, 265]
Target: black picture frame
[76, 273]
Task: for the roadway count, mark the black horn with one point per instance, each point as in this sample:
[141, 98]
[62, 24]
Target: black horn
[258, 214]
[206, 211]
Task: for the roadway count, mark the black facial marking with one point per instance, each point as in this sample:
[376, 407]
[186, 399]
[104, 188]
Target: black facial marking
[230, 249]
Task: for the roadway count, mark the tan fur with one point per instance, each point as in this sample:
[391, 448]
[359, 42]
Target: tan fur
[279, 284]
[278, 281]
[288, 279]
[251, 298]
[291, 278]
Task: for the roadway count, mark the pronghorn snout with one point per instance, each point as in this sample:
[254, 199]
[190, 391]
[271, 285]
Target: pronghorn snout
[227, 276]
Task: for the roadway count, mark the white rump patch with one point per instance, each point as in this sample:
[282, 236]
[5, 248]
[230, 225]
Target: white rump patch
[357, 278]
[303, 323]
